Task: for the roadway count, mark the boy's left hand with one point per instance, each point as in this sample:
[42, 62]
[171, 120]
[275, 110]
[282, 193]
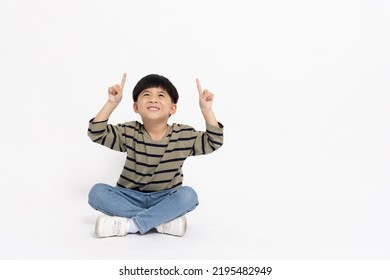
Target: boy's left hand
[205, 97]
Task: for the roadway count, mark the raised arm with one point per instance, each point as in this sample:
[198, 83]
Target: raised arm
[205, 102]
[114, 98]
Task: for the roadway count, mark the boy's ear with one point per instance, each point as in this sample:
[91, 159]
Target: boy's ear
[135, 107]
[173, 109]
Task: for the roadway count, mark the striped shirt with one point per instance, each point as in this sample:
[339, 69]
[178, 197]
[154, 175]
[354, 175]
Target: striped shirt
[153, 165]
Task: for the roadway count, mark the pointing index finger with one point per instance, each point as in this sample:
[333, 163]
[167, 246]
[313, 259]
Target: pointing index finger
[123, 80]
[199, 86]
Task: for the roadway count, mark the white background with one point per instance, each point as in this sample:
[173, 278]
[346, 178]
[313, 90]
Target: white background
[302, 88]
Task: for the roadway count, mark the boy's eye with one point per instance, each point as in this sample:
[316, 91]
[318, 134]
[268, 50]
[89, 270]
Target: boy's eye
[162, 95]
[146, 94]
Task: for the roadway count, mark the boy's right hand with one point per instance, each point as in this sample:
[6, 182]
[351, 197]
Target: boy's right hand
[115, 91]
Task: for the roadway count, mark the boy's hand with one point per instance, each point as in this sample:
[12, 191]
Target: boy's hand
[205, 97]
[115, 91]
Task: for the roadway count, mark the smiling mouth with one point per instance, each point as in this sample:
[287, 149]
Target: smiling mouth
[153, 108]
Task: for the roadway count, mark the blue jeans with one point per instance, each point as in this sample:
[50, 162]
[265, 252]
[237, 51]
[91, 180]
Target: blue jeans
[146, 209]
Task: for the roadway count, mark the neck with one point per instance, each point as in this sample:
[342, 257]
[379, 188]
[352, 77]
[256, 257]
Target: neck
[156, 130]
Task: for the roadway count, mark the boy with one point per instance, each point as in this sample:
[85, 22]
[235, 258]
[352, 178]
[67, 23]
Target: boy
[149, 193]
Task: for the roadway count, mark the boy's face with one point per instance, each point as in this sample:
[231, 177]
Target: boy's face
[154, 104]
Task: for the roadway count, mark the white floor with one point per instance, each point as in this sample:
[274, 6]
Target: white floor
[260, 228]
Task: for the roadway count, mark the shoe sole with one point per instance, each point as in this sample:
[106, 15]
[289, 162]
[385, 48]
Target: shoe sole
[98, 225]
[185, 225]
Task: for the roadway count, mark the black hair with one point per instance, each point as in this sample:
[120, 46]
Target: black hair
[158, 81]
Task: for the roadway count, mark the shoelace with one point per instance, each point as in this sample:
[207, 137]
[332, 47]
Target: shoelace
[166, 227]
[116, 227]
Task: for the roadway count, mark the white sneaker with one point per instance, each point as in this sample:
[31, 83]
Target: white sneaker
[110, 226]
[176, 227]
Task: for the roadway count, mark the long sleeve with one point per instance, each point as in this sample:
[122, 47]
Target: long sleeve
[111, 136]
[208, 141]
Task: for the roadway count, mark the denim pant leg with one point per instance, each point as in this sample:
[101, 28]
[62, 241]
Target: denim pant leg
[147, 210]
[115, 201]
[165, 206]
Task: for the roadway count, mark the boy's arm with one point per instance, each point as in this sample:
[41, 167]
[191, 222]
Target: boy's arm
[212, 139]
[206, 102]
[114, 98]
[106, 134]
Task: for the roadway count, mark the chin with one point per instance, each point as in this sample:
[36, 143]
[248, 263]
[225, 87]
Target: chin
[155, 118]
